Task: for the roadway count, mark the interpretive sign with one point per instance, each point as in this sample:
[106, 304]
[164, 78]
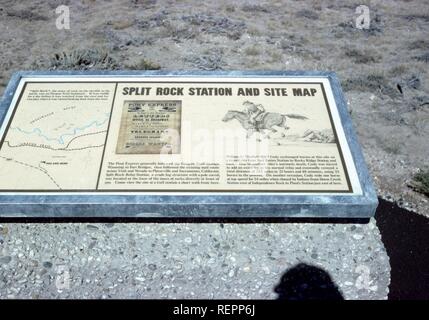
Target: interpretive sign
[180, 144]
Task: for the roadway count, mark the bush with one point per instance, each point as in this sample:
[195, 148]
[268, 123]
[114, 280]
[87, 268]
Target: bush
[420, 182]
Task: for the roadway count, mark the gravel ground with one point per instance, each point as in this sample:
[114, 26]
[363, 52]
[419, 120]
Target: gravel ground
[202, 260]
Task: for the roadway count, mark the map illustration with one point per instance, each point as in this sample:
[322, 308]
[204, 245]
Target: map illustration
[47, 144]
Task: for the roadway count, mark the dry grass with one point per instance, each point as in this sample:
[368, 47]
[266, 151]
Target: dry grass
[122, 24]
[375, 82]
[392, 147]
[362, 56]
[420, 182]
[83, 59]
[422, 44]
[252, 51]
[144, 64]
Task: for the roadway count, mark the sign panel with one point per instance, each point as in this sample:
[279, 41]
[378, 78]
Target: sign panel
[187, 135]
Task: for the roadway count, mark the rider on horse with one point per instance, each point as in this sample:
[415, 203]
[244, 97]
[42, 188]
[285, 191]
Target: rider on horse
[253, 111]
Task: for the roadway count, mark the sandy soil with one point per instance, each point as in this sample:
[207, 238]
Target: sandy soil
[384, 70]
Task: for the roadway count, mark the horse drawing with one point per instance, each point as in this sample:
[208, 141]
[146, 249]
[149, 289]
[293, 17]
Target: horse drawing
[266, 121]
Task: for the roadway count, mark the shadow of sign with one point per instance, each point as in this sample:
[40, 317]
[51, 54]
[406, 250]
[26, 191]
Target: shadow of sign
[405, 235]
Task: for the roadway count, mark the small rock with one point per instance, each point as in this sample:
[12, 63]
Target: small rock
[5, 259]
[358, 236]
[4, 230]
[266, 270]
[246, 269]
[47, 264]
